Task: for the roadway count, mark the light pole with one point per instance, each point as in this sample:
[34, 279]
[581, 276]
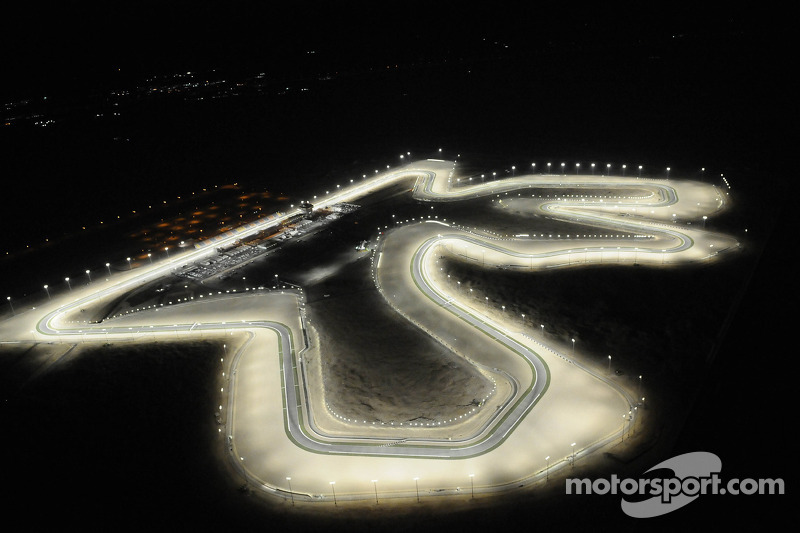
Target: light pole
[416, 483]
[640, 171]
[68, 283]
[375, 484]
[129, 263]
[573, 347]
[622, 436]
[573, 453]
[542, 326]
[150, 257]
[11, 305]
[609, 363]
[166, 249]
[108, 267]
[472, 484]
[48, 292]
[289, 480]
[547, 469]
[334, 492]
[89, 275]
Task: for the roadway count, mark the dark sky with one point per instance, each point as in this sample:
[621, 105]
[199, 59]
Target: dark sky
[50, 47]
[664, 80]
[626, 79]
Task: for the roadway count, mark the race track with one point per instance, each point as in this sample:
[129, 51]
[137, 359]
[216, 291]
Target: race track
[549, 402]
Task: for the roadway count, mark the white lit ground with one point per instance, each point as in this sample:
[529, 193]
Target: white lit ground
[577, 408]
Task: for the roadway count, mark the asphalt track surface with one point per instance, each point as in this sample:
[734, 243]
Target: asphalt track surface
[434, 184]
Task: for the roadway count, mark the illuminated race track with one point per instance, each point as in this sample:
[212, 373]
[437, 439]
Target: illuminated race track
[403, 264]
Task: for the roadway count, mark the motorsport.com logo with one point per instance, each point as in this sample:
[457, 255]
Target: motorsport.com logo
[694, 474]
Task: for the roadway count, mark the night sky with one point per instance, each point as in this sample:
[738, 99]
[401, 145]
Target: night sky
[664, 83]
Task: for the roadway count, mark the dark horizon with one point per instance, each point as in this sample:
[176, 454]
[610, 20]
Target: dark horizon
[686, 87]
[82, 47]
